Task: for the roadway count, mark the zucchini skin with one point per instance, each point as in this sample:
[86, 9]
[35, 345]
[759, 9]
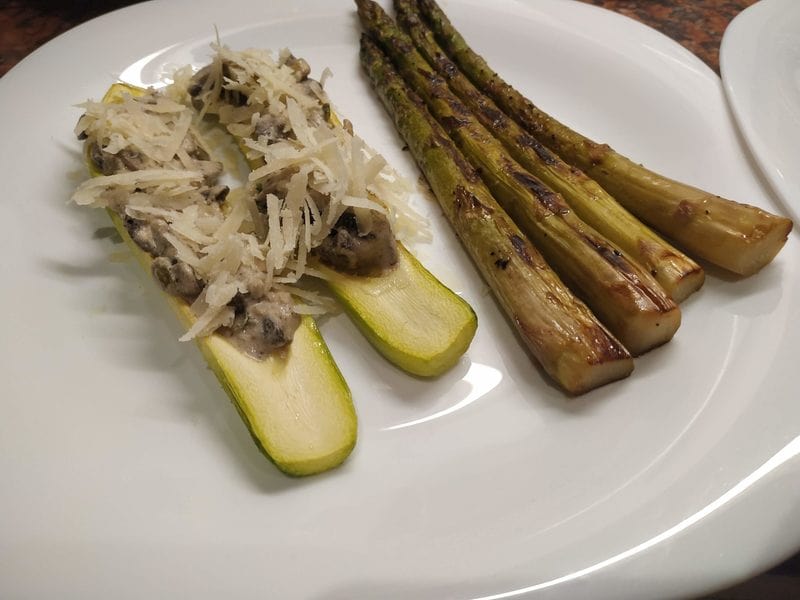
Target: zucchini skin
[409, 316]
[560, 332]
[295, 403]
[737, 237]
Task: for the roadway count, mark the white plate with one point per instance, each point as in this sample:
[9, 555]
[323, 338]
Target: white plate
[760, 67]
[127, 474]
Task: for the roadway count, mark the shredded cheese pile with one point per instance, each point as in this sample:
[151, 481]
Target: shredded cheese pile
[304, 180]
[320, 165]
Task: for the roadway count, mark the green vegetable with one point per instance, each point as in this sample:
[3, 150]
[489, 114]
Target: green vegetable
[407, 314]
[738, 237]
[561, 333]
[626, 299]
[295, 403]
[677, 273]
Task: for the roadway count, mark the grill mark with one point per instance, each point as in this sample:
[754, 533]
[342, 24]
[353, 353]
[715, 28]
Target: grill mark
[446, 65]
[546, 156]
[595, 152]
[423, 39]
[466, 201]
[464, 166]
[403, 45]
[453, 123]
[429, 75]
[458, 108]
[684, 212]
[546, 197]
[485, 106]
[440, 140]
[623, 266]
[521, 248]
[604, 347]
[607, 347]
[497, 119]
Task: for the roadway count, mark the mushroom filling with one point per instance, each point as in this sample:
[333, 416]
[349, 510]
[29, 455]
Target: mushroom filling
[316, 194]
[358, 240]
[261, 325]
[256, 319]
[347, 249]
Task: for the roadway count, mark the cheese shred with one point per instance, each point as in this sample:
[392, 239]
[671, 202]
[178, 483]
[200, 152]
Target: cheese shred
[306, 170]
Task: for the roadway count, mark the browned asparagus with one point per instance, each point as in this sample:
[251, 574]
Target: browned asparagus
[560, 332]
[677, 273]
[737, 237]
[627, 299]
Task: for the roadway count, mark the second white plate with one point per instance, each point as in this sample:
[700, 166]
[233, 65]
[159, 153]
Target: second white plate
[760, 67]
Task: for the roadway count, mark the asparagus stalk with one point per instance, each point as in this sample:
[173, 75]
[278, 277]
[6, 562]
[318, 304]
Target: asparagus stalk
[626, 299]
[677, 273]
[738, 237]
[559, 330]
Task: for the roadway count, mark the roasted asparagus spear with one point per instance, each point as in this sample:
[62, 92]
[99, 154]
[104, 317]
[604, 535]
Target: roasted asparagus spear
[561, 333]
[626, 299]
[738, 237]
[677, 273]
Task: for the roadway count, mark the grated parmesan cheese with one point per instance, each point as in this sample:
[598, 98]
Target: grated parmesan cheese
[307, 169]
[297, 152]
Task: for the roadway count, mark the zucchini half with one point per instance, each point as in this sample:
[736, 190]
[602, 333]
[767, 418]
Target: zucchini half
[296, 404]
[408, 315]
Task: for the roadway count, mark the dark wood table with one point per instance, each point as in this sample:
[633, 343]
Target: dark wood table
[696, 24]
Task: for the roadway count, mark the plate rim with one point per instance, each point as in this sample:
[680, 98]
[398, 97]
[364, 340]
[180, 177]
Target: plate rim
[50, 46]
